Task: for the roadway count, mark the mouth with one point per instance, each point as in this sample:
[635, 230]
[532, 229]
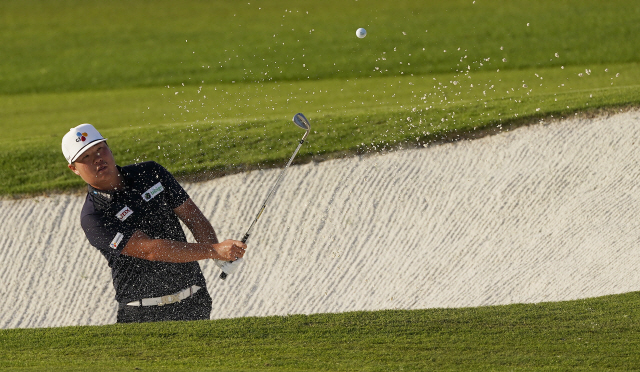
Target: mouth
[101, 168]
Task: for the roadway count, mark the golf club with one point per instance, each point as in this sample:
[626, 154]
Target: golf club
[231, 266]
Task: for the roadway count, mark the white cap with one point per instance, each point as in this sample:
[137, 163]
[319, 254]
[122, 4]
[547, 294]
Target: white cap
[79, 140]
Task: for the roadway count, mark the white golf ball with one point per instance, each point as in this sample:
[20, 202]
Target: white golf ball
[361, 32]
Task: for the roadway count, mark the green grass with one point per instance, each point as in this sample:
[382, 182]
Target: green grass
[208, 88]
[72, 45]
[595, 334]
[206, 131]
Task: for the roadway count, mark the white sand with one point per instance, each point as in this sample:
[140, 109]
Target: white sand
[542, 213]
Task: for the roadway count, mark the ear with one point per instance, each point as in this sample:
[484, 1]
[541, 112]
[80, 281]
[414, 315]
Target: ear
[73, 169]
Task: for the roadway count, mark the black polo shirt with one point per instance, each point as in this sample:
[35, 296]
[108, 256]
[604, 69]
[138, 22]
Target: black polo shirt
[109, 219]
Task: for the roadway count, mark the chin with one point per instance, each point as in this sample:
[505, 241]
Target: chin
[103, 175]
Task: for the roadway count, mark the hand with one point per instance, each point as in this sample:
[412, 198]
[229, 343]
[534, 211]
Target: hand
[229, 250]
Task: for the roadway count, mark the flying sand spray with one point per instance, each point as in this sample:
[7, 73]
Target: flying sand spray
[231, 266]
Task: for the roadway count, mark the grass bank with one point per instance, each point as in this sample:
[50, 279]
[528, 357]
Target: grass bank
[211, 130]
[208, 88]
[593, 334]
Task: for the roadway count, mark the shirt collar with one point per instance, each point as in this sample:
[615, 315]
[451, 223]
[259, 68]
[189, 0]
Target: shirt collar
[106, 197]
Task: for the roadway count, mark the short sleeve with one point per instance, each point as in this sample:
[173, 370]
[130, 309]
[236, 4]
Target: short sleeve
[176, 194]
[109, 240]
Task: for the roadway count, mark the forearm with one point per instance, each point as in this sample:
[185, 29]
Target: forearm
[140, 245]
[203, 232]
[196, 222]
[180, 252]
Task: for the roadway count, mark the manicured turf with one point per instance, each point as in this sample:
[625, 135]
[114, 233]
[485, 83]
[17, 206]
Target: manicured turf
[88, 45]
[207, 131]
[209, 88]
[595, 334]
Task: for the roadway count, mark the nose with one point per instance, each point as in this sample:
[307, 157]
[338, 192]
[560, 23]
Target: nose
[97, 158]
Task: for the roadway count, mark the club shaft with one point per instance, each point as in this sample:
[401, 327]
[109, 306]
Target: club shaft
[273, 188]
[303, 123]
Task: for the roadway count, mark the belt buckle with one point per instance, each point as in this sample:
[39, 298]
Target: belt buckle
[169, 299]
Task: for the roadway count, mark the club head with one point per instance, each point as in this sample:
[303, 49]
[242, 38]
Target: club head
[301, 121]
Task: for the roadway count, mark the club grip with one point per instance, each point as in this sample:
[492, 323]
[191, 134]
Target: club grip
[223, 274]
[230, 267]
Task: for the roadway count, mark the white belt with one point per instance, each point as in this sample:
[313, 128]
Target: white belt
[168, 299]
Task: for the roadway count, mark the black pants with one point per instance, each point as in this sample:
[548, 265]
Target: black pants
[196, 307]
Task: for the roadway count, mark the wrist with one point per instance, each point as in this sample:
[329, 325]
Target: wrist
[213, 253]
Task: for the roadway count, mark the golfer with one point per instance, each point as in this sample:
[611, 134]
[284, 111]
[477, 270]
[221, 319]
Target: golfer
[131, 215]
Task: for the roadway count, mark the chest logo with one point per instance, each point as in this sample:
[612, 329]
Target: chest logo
[124, 213]
[152, 192]
[116, 240]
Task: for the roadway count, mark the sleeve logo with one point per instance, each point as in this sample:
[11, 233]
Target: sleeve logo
[152, 192]
[116, 241]
[124, 213]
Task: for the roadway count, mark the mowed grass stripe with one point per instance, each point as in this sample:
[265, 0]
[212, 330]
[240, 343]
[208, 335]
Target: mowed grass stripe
[592, 334]
[47, 114]
[207, 131]
[75, 45]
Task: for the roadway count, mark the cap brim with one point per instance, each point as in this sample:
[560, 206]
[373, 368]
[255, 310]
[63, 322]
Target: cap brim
[87, 147]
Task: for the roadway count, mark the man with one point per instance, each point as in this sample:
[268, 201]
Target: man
[131, 215]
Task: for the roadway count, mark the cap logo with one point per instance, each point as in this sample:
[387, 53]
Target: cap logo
[82, 136]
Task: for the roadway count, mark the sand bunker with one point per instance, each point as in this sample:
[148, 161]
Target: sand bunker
[542, 213]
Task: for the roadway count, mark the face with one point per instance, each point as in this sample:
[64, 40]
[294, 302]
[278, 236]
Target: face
[97, 167]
